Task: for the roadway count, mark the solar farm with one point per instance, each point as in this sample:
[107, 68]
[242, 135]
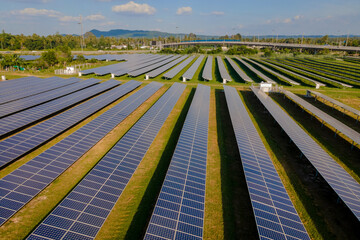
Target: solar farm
[167, 146]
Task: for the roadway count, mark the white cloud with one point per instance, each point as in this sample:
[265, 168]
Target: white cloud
[184, 11]
[69, 19]
[136, 8]
[110, 23]
[217, 13]
[95, 17]
[36, 12]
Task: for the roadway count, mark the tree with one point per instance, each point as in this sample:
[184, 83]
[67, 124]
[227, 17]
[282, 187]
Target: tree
[49, 58]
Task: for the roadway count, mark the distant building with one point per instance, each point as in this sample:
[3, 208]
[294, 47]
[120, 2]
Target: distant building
[122, 46]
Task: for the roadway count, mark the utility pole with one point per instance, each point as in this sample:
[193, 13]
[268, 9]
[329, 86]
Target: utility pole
[82, 36]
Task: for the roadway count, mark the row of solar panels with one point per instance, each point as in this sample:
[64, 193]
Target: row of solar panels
[93, 200]
[179, 211]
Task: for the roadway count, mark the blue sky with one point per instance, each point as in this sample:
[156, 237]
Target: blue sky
[208, 17]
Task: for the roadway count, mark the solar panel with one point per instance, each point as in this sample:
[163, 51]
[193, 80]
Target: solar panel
[158, 71]
[303, 65]
[291, 66]
[49, 84]
[151, 67]
[189, 74]
[21, 185]
[237, 69]
[207, 72]
[15, 146]
[10, 86]
[273, 72]
[275, 215]
[29, 57]
[262, 76]
[223, 72]
[19, 120]
[339, 126]
[293, 73]
[139, 63]
[170, 74]
[335, 102]
[24, 103]
[179, 210]
[339, 180]
[88, 205]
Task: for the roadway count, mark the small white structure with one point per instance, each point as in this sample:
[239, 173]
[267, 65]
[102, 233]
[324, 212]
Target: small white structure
[147, 77]
[3, 78]
[70, 70]
[80, 74]
[112, 75]
[265, 87]
[184, 79]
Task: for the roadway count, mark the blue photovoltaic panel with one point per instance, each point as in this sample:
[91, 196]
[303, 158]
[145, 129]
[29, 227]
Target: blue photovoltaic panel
[238, 70]
[335, 102]
[151, 67]
[140, 63]
[24, 103]
[15, 146]
[170, 74]
[223, 72]
[158, 71]
[207, 72]
[21, 185]
[179, 210]
[353, 135]
[189, 74]
[251, 68]
[273, 72]
[275, 215]
[346, 187]
[46, 85]
[16, 121]
[84, 210]
[18, 85]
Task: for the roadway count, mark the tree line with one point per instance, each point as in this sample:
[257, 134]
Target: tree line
[91, 42]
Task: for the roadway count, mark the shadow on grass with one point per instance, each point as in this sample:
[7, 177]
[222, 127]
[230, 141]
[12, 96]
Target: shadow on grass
[217, 72]
[233, 73]
[248, 72]
[239, 221]
[143, 213]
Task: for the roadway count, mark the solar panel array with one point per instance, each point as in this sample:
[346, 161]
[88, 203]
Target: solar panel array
[151, 67]
[319, 76]
[24, 103]
[223, 72]
[170, 74]
[29, 57]
[294, 73]
[189, 74]
[333, 101]
[179, 210]
[238, 70]
[84, 210]
[275, 215]
[273, 72]
[15, 146]
[23, 184]
[49, 84]
[10, 86]
[339, 126]
[262, 76]
[340, 181]
[309, 73]
[158, 71]
[141, 63]
[207, 72]
[19, 120]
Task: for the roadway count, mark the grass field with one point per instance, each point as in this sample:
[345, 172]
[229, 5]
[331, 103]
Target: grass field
[228, 211]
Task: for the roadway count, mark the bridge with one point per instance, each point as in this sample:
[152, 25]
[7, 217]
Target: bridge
[261, 44]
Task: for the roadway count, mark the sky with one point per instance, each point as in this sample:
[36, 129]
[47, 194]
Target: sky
[205, 17]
